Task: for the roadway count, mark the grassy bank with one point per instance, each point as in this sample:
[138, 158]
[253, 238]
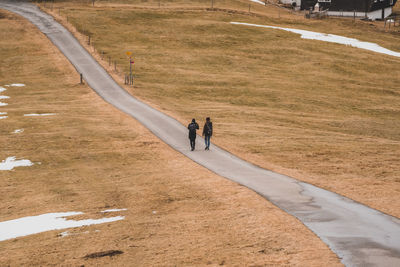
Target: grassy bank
[90, 157]
[323, 113]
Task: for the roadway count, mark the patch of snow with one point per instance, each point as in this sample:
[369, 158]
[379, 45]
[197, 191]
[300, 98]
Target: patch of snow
[67, 233]
[46, 222]
[7, 85]
[19, 131]
[17, 84]
[3, 117]
[113, 210]
[258, 2]
[332, 38]
[4, 97]
[3, 113]
[2, 89]
[64, 234]
[10, 163]
[154, 212]
[42, 114]
[3, 104]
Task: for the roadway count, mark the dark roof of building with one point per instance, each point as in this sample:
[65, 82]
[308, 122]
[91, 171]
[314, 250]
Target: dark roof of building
[350, 5]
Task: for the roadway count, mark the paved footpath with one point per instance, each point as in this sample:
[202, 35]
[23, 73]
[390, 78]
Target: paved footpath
[359, 235]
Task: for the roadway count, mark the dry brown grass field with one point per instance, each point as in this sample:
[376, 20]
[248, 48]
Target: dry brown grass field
[324, 113]
[396, 9]
[93, 157]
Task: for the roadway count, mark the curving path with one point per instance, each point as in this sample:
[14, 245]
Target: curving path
[359, 235]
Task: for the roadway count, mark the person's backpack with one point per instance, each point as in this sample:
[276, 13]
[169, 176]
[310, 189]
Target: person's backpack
[209, 128]
[192, 127]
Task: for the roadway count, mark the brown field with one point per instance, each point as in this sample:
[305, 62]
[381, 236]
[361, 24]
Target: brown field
[323, 113]
[396, 8]
[93, 157]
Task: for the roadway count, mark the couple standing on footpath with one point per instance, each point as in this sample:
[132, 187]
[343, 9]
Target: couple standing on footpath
[207, 133]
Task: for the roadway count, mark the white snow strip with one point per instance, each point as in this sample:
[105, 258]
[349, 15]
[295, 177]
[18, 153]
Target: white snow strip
[2, 89]
[330, 38]
[67, 233]
[42, 114]
[10, 163]
[64, 234]
[3, 117]
[19, 131]
[3, 104]
[258, 2]
[46, 222]
[17, 84]
[4, 97]
[113, 210]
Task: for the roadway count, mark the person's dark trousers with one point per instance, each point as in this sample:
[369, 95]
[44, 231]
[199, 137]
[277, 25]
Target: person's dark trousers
[207, 141]
[192, 143]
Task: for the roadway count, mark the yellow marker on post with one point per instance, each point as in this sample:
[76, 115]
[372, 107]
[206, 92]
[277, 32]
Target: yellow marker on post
[129, 54]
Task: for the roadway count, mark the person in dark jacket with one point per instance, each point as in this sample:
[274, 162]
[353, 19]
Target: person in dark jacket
[192, 127]
[207, 132]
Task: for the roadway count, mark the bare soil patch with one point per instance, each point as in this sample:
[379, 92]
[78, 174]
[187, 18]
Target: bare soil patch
[108, 253]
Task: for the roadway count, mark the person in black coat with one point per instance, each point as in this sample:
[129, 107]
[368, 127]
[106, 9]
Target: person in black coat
[192, 127]
[207, 132]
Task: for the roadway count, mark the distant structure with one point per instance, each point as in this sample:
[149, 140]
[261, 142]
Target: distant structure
[371, 9]
[293, 3]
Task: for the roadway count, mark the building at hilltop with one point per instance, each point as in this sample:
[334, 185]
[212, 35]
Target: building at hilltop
[371, 9]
